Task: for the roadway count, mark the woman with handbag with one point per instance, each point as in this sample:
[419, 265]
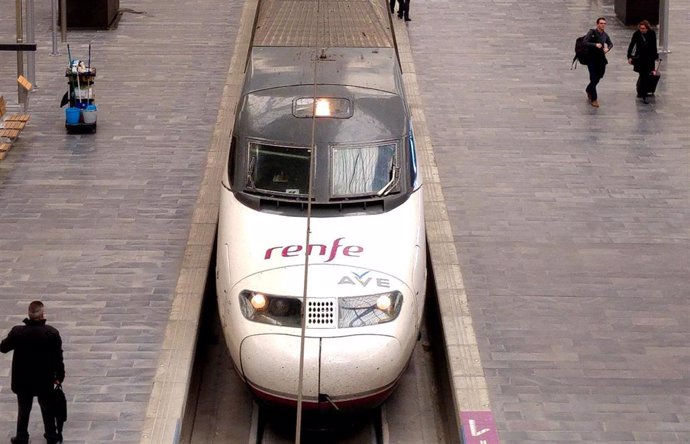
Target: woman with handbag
[642, 54]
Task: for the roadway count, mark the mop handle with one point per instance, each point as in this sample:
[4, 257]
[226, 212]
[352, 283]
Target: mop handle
[78, 89]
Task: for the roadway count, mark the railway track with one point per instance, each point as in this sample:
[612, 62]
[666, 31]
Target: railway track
[371, 428]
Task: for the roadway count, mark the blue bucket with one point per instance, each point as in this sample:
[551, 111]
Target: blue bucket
[72, 115]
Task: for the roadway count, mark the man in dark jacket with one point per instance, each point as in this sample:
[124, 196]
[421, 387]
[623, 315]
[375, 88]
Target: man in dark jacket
[599, 43]
[36, 366]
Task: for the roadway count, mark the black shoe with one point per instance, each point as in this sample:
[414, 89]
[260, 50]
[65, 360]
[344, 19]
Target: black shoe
[15, 440]
[400, 15]
[55, 438]
[407, 19]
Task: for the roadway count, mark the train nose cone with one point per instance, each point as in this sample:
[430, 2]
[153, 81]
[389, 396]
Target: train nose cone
[354, 371]
[270, 364]
[361, 370]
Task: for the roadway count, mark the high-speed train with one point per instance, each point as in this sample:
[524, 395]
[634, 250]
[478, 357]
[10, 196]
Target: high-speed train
[321, 229]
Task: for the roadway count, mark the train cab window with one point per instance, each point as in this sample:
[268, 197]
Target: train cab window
[364, 170]
[278, 169]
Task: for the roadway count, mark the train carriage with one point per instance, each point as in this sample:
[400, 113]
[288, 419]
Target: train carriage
[321, 228]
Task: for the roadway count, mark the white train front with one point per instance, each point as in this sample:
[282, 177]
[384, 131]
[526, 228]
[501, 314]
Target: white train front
[343, 125]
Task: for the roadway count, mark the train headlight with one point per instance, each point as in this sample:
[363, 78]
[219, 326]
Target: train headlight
[359, 311]
[258, 301]
[323, 108]
[337, 107]
[384, 302]
[271, 309]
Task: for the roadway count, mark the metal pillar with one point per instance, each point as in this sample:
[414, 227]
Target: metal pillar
[21, 94]
[663, 27]
[63, 21]
[54, 16]
[30, 38]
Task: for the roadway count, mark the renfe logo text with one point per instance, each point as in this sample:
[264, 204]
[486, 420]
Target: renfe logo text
[317, 250]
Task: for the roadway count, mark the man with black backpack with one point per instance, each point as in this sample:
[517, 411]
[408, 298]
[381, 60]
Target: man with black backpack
[598, 43]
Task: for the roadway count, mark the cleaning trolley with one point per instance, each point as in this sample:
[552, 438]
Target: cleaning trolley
[81, 113]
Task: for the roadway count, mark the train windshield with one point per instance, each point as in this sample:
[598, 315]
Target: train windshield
[364, 170]
[278, 169]
[356, 171]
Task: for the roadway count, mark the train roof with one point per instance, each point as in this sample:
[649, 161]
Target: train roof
[323, 24]
[367, 77]
[276, 67]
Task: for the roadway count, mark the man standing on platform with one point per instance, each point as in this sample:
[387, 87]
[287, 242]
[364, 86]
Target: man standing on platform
[37, 365]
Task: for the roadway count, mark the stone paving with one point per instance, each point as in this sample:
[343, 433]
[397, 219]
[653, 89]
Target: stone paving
[96, 225]
[571, 223]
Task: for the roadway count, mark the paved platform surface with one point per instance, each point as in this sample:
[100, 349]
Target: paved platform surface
[96, 225]
[571, 223]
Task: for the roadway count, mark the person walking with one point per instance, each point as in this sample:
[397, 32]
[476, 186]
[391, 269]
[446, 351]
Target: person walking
[599, 44]
[37, 365]
[403, 9]
[643, 54]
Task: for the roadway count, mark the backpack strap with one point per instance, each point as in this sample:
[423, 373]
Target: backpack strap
[573, 64]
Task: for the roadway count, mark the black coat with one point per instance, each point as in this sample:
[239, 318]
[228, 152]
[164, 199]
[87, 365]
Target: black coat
[642, 49]
[37, 362]
[597, 55]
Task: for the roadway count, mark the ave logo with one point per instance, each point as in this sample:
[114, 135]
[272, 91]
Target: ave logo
[362, 279]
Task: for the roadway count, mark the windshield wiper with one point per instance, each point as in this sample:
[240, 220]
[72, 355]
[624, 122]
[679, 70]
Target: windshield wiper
[387, 188]
[250, 172]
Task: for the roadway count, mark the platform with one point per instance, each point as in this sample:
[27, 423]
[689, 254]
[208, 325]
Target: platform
[569, 223]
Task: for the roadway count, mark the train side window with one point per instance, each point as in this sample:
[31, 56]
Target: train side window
[278, 169]
[232, 161]
[413, 159]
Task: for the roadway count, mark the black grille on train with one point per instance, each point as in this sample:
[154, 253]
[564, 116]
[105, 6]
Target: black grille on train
[321, 313]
